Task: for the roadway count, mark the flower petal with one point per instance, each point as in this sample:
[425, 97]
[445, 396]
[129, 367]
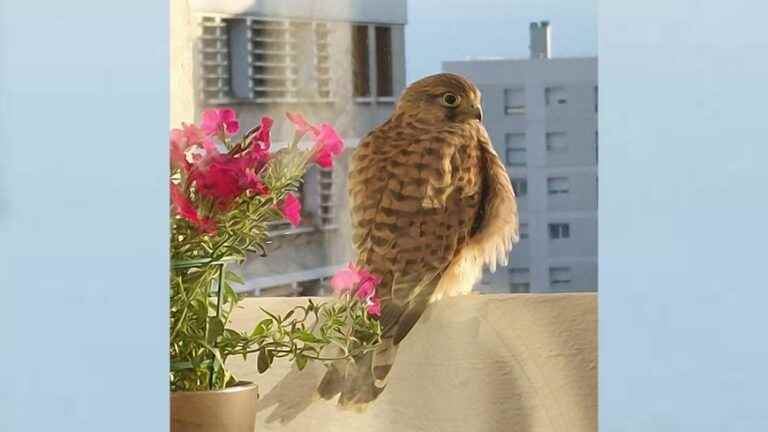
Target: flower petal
[344, 280]
[261, 135]
[327, 145]
[291, 209]
[210, 123]
[330, 139]
[374, 308]
[301, 124]
[227, 114]
[220, 120]
[366, 290]
[323, 159]
[187, 210]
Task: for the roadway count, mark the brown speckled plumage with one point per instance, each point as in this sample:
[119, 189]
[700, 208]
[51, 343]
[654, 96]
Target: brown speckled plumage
[431, 203]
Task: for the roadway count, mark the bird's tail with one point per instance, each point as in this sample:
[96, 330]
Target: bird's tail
[361, 380]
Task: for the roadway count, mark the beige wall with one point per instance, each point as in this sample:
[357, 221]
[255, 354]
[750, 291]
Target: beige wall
[519, 362]
[181, 63]
[353, 119]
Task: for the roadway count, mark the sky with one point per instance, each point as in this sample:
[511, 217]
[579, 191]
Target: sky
[442, 30]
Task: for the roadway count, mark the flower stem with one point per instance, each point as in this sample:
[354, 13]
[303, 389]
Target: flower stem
[219, 293]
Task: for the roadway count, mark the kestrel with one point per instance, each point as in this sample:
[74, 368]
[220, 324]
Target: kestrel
[431, 204]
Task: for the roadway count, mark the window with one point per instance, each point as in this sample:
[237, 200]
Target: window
[515, 157]
[556, 142]
[214, 59]
[559, 231]
[265, 60]
[289, 60]
[360, 67]
[327, 213]
[523, 231]
[322, 70]
[559, 277]
[514, 101]
[558, 185]
[520, 186]
[270, 67]
[516, 154]
[555, 95]
[384, 87]
[519, 280]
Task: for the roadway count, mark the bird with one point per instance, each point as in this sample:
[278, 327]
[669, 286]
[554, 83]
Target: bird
[431, 204]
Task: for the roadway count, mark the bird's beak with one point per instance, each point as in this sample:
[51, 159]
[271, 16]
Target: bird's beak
[479, 113]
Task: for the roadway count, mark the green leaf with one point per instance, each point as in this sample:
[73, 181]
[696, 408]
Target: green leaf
[274, 317]
[184, 365]
[301, 361]
[262, 328]
[264, 360]
[308, 337]
[215, 329]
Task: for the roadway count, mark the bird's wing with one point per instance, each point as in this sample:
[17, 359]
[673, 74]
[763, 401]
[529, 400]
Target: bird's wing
[496, 230]
[415, 198]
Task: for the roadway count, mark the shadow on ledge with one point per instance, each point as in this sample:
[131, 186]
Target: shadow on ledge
[516, 362]
[292, 394]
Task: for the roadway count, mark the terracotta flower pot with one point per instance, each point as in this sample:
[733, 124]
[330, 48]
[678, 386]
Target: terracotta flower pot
[230, 410]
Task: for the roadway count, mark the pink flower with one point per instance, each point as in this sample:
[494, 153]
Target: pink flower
[327, 145]
[366, 289]
[374, 307]
[220, 121]
[178, 154]
[253, 160]
[220, 180]
[182, 140]
[253, 183]
[291, 209]
[345, 279]
[368, 283]
[353, 276]
[327, 141]
[302, 125]
[182, 205]
[187, 210]
[260, 135]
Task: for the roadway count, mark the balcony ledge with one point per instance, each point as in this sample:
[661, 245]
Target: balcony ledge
[523, 362]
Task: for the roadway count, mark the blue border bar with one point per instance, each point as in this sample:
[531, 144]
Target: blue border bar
[84, 215]
[683, 211]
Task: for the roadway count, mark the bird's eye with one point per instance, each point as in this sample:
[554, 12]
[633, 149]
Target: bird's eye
[450, 100]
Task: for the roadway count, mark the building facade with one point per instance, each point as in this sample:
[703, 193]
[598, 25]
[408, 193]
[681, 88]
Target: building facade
[541, 114]
[344, 65]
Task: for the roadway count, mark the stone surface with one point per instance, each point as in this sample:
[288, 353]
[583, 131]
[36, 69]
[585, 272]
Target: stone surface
[513, 362]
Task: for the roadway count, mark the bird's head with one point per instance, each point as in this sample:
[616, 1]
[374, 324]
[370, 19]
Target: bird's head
[441, 98]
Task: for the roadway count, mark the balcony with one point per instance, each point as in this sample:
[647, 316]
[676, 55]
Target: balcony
[522, 362]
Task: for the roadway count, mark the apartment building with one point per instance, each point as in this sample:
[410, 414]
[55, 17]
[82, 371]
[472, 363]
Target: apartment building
[542, 113]
[343, 64]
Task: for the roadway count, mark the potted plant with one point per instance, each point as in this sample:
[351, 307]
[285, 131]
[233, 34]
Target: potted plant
[223, 193]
